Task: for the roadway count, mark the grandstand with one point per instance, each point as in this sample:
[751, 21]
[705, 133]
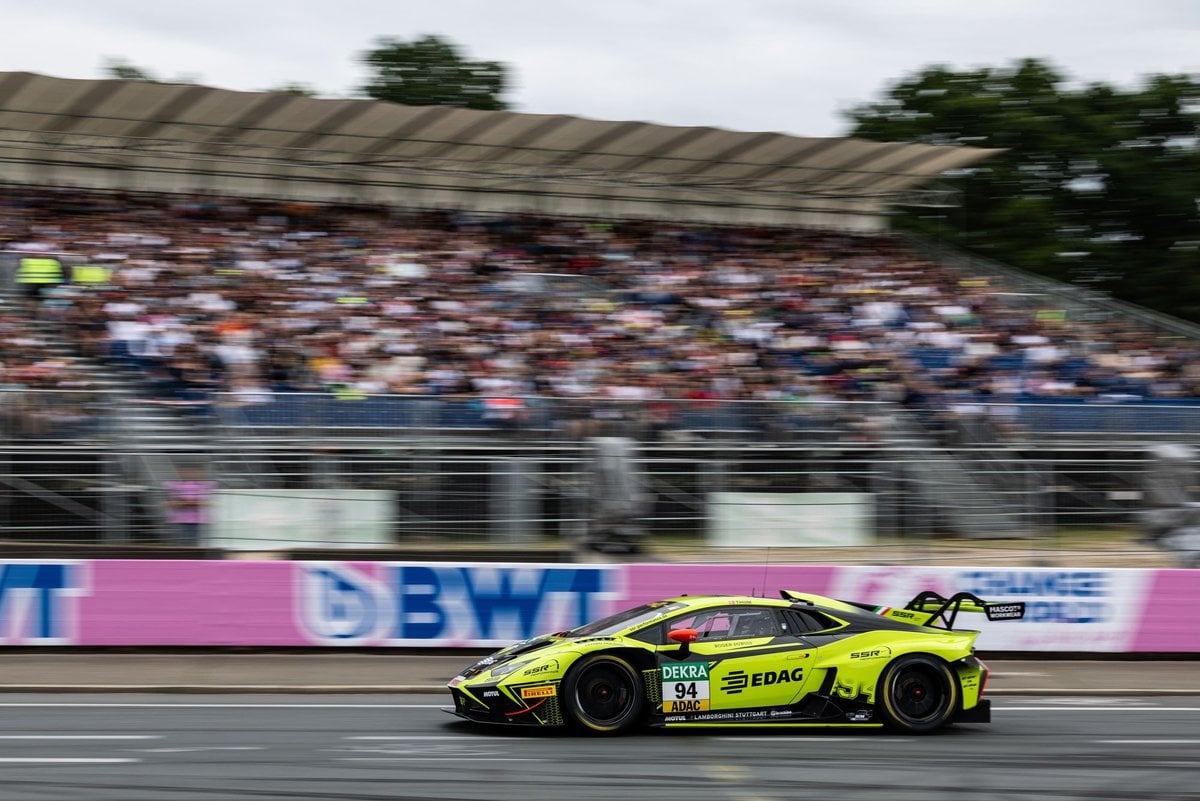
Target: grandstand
[446, 304]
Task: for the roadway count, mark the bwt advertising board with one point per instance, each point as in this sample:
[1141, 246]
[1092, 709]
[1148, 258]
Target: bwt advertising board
[340, 604]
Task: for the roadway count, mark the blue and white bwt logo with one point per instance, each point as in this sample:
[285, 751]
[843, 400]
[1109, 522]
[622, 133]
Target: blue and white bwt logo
[340, 606]
[37, 602]
[453, 605]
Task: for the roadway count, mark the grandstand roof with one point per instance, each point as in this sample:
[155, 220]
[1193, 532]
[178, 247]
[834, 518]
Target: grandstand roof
[134, 135]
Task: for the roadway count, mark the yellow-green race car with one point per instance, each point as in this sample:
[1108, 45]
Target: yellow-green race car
[736, 661]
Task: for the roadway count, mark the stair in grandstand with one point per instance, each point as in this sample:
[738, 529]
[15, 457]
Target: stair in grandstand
[142, 442]
[135, 421]
[956, 493]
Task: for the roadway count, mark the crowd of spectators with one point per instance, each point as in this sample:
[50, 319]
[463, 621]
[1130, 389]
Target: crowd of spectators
[28, 360]
[208, 295]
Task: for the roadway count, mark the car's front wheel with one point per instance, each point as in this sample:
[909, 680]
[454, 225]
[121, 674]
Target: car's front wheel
[602, 694]
[917, 694]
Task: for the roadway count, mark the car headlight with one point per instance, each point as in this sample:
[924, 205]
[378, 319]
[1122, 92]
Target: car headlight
[511, 667]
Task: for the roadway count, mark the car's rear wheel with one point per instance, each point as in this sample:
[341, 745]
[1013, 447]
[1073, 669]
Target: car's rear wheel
[917, 694]
[602, 694]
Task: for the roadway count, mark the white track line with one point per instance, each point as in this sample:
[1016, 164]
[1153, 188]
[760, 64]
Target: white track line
[427, 737]
[202, 748]
[114, 705]
[801, 738]
[441, 759]
[66, 760]
[80, 736]
[1148, 742]
[1082, 708]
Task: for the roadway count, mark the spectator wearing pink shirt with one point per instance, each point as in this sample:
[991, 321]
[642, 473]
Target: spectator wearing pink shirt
[188, 501]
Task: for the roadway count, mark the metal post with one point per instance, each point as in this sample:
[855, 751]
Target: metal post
[884, 486]
[714, 477]
[114, 503]
[573, 526]
[514, 511]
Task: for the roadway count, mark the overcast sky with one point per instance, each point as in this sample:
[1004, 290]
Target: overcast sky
[757, 65]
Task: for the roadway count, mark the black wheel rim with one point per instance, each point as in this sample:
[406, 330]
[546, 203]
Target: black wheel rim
[604, 694]
[918, 695]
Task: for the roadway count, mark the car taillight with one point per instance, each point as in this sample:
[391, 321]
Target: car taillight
[986, 673]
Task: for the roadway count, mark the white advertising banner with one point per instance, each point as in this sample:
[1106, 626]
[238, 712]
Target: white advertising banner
[790, 519]
[1066, 609]
[263, 519]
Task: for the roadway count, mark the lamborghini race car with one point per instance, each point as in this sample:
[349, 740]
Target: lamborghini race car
[801, 660]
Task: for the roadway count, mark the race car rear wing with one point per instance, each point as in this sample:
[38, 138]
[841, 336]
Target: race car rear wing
[927, 609]
[945, 610]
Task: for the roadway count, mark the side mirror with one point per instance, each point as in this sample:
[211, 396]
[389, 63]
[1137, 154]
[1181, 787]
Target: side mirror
[684, 637]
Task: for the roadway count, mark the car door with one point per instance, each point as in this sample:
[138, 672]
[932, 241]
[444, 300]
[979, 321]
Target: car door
[746, 660]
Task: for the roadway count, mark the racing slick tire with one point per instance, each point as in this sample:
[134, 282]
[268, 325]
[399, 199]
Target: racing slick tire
[603, 694]
[917, 694]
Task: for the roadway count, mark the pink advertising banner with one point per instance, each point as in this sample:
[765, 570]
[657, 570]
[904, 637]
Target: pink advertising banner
[337, 604]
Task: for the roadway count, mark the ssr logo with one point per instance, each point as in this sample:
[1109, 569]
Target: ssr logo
[882, 650]
[738, 680]
[552, 665]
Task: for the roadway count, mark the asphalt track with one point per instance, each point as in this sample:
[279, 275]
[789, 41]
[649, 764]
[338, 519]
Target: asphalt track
[50, 670]
[168, 747]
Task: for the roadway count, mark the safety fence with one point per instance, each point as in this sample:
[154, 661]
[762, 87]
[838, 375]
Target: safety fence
[293, 414]
[31, 415]
[85, 467]
[415, 604]
[383, 495]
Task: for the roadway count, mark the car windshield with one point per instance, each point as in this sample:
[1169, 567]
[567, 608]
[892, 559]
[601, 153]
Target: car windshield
[623, 620]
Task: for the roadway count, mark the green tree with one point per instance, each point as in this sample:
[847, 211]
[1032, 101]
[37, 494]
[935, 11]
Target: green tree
[430, 71]
[1097, 185]
[293, 88]
[126, 71]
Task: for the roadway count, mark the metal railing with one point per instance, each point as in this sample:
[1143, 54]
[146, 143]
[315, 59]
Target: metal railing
[300, 414]
[387, 472]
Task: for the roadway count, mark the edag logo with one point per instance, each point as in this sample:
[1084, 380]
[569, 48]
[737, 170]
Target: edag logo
[737, 680]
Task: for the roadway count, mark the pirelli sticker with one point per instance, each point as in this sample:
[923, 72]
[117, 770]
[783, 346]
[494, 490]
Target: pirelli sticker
[685, 687]
[542, 691]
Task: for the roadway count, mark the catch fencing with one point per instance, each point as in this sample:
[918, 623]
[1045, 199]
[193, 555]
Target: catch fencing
[307, 471]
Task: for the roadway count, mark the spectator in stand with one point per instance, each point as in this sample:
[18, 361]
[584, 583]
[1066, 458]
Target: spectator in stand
[188, 499]
[251, 298]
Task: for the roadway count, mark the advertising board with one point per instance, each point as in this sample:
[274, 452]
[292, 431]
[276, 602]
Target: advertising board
[416, 604]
